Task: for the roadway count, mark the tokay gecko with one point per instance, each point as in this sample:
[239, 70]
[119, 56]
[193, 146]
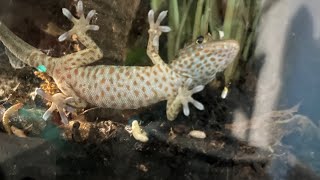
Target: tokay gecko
[123, 87]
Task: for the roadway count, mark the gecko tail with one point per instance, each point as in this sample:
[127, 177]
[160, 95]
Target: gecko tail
[21, 53]
[13, 43]
[15, 62]
[16, 49]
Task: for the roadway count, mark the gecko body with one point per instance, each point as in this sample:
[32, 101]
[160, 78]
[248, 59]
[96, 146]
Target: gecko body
[120, 87]
[123, 87]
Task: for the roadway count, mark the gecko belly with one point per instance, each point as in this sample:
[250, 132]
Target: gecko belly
[122, 87]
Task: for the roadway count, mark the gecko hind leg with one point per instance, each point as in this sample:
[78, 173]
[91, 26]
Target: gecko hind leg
[59, 102]
[183, 98]
[81, 25]
[92, 52]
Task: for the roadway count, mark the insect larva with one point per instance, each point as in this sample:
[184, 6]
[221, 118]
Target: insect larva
[18, 132]
[197, 134]
[6, 116]
[138, 133]
[224, 92]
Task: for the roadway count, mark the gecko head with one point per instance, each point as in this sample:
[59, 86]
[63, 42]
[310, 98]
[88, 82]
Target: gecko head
[202, 59]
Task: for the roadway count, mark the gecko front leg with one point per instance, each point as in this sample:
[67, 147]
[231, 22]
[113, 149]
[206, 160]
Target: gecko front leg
[184, 95]
[155, 31]
[183, 98]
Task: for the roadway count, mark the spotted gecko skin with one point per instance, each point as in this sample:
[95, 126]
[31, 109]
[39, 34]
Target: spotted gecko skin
[124, 87]
[202, 62]
[120, 87]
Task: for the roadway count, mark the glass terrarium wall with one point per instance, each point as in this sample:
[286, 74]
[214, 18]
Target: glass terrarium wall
[256, 118]
[288, 41]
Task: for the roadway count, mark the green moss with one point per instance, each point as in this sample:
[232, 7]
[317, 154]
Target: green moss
[136, 56]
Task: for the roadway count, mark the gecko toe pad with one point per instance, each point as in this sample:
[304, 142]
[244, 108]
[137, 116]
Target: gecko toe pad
[80, 25]
[185, 97]
[59, 102]
[155, 27]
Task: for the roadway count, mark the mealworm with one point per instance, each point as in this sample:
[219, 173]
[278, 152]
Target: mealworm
[18, 132]
[7, 114]
[197, 134]
[138, 133]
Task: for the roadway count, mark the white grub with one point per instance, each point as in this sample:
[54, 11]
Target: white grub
[197, 134]
[138, 133]
[18, 132]
[221, 34]
[142, 168]
[7, 114]
[224, 93]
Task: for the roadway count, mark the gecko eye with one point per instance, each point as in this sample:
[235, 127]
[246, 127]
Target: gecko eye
[200, 39]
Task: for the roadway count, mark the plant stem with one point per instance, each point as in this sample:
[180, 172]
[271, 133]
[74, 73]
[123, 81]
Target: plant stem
[182, 25]
[197, 20]
[174, 24]
[214, 20]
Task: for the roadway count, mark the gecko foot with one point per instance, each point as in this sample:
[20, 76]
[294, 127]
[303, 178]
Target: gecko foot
[155, 29]
[59, 102]
[185, 97]
[80, 25]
